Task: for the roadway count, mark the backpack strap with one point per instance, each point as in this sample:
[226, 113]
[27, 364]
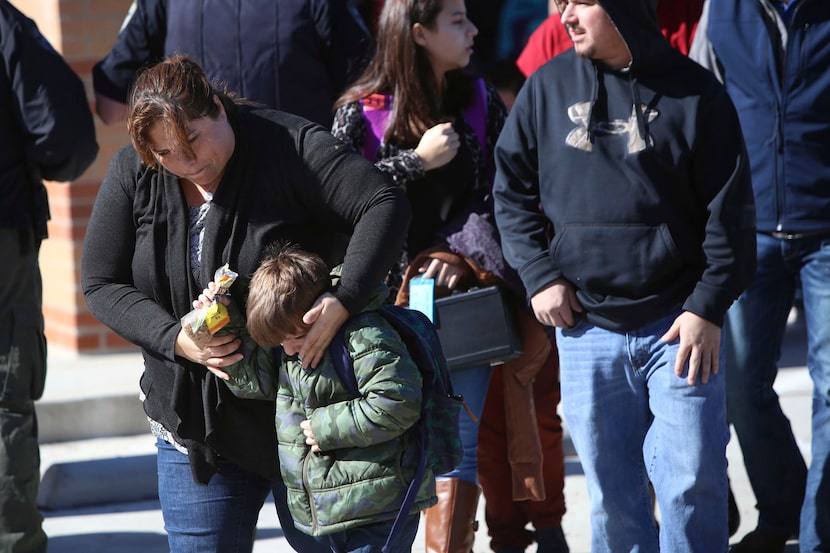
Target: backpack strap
[476, 114]
[344, 367]
[377, 108]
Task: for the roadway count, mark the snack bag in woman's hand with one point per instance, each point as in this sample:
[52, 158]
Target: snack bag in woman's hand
[203, 322]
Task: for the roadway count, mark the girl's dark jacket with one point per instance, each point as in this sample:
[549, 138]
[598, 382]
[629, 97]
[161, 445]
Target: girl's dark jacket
[288, 180]
[642, 174]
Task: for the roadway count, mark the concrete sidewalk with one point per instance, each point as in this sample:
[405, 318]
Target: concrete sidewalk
[98, 492]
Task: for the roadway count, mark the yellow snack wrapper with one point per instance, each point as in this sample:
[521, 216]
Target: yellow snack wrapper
[216, 317]
[202, 323]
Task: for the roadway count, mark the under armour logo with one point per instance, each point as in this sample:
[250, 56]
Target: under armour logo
[579, 137]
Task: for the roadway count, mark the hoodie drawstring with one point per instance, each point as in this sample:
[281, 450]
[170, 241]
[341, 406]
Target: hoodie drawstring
[638, 112]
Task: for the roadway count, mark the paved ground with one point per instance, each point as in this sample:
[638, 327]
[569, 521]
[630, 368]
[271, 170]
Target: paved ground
[100, 488]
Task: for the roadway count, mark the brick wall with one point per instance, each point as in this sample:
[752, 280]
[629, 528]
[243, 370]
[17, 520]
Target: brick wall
[83, 31]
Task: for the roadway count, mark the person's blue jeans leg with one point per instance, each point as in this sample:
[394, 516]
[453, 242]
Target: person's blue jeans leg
[815, 284]
[372, 537]
[218, 516]
[632, 420]
[685, 451]
[472, 383]
[753, 334]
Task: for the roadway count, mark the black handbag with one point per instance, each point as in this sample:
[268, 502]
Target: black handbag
[477, 327]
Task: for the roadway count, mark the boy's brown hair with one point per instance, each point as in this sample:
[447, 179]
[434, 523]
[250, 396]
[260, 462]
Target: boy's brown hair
[282, 290]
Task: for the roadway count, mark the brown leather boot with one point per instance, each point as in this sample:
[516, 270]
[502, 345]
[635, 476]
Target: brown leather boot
[451, 523]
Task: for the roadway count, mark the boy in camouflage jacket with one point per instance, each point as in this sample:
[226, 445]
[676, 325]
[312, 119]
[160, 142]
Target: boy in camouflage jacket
[347, 462]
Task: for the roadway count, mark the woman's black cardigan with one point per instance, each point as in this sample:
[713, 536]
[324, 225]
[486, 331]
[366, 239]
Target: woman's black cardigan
[288, 180]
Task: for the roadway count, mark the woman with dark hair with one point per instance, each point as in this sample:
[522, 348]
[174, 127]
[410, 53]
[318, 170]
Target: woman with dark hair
[432, 127]
[207, 182]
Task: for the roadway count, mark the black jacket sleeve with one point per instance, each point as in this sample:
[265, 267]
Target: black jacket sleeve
[48, 102]
[140, 43]
[370, 208]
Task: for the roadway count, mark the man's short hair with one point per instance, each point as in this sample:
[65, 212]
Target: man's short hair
[283, 288]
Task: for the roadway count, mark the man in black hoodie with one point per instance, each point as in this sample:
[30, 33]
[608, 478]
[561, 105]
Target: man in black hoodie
[644, 239]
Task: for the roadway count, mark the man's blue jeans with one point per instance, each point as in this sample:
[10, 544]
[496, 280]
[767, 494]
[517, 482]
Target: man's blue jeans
[753, 334]
[633, 421]
[222, 515]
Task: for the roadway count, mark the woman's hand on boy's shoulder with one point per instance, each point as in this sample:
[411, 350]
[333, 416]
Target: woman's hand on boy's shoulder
[325, 318]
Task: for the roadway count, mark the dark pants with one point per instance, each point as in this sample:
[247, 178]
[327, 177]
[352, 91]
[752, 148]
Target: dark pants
[506, 519]
[372, 537]
[22, 375]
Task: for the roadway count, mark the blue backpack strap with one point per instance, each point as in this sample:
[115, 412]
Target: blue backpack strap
[342, 361]
[344, 367]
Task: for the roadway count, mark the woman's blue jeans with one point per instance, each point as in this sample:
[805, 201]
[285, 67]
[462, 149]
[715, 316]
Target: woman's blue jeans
[221, 515]
[753, 335]
[633, 421]
[472, 383]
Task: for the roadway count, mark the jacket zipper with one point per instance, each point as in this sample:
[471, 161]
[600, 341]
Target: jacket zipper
[781, 109]
[307, 489]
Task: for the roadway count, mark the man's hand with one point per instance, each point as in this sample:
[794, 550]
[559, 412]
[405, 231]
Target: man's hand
[556, 304]
[326, 317]
[699, 345]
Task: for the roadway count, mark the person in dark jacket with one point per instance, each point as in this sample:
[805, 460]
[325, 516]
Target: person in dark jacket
[208, 182]
[291, 55]
[645, 237]
[46, 132]
[774, 60]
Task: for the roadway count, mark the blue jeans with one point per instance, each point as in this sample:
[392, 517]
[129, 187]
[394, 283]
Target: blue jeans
[222, 515]
[472, 383]
[633, 421]
[753, 334]
[372, 537]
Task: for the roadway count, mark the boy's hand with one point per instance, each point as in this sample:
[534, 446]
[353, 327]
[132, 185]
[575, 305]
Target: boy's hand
[309, 436]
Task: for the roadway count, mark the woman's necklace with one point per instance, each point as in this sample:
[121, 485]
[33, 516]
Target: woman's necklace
[197, 195]
[207, 193]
